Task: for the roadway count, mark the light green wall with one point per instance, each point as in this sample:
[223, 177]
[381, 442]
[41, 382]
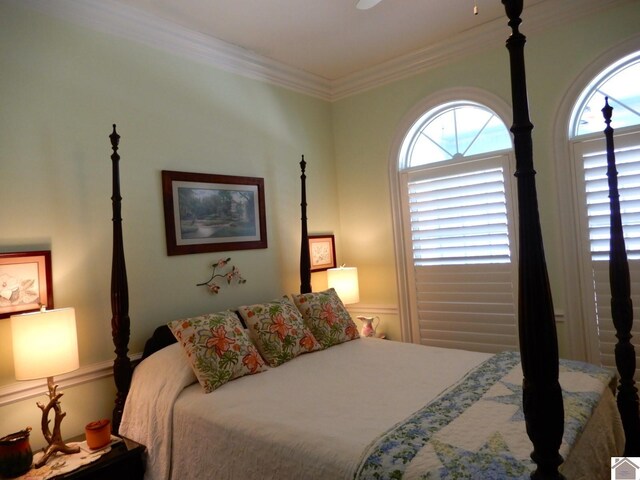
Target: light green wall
[365, 125]
[62, 88]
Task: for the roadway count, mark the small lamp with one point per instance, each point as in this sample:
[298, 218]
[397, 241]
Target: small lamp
[345, 282]
[45, 344]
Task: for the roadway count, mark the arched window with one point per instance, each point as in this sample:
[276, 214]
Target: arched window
[454, 174]
[454, 130]
[620, 82]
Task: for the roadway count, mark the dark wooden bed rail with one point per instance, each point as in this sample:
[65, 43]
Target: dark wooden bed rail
[543, 405]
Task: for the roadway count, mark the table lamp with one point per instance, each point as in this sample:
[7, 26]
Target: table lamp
[345, 282]
[45, 344]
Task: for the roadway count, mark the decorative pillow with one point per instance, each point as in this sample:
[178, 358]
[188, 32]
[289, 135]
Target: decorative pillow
[278, 330]
[326, 316]
[218, 348]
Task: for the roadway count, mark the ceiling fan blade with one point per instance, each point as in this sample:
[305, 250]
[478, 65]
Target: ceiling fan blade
[366, 4]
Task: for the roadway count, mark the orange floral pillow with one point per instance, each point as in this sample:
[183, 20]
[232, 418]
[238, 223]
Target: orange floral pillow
[326, 316]
[278, 330]
[218, 348]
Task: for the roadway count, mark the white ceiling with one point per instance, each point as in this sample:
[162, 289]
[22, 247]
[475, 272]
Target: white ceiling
[328, 38]
[325, 48]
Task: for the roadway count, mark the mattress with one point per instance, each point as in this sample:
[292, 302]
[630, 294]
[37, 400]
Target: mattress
[319, 415]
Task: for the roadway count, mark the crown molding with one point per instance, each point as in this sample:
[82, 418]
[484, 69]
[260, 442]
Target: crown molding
[536, 19]
[109, 16]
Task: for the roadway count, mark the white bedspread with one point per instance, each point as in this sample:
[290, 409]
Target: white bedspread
[309, 415]
[310, 418]
[148, 412]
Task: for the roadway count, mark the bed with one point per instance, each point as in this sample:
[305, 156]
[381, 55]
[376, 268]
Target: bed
[371, 408]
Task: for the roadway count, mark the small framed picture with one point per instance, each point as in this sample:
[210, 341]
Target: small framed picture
[25, 282]
[322, 250]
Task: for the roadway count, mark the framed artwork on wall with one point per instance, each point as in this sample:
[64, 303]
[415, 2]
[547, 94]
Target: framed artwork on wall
[25, 282]
[322, 250]
[213, 213]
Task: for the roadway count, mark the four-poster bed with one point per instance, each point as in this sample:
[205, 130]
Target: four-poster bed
[542, 395]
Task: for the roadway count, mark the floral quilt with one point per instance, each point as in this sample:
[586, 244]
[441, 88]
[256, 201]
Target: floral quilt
[476, 429]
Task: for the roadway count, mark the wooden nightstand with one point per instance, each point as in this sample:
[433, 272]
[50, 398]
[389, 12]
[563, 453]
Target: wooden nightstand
[123, 462]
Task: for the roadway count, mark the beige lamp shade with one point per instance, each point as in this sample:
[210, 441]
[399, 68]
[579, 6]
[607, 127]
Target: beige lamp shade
[345, 282]
[45, 343]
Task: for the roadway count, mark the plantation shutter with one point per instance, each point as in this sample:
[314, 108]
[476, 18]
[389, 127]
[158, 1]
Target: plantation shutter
[462, 255]
[594, 160]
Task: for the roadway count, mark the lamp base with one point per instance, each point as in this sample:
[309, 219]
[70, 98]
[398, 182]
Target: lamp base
[54, 439]
[53, 448]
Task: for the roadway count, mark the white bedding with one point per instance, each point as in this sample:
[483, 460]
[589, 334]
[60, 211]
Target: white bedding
[148, 412]
[308, 418]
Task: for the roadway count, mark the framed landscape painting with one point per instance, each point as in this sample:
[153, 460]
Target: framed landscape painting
[213, 213]
[25, 282]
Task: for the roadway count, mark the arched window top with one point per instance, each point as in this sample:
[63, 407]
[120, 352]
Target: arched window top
[621, 83]
[453, 130]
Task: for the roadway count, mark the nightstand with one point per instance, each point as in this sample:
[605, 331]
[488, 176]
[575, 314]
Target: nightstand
[123, 462]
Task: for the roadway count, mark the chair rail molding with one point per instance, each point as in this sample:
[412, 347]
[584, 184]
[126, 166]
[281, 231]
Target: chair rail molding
[18, 391]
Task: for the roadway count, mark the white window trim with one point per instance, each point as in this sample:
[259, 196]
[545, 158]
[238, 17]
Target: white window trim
[409, 330]
[581, 338]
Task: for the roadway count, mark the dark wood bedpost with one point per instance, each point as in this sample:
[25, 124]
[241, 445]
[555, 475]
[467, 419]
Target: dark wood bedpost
[119, 295]
[621, 305]
[305, 259]
[542, 396]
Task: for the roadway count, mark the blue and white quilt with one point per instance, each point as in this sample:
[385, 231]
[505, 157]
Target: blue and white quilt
[476, 429]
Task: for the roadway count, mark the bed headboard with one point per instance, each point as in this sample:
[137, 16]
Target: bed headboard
[162, 337]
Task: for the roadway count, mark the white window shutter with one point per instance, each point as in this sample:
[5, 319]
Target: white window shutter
[470, 307]
[460, 219]
[594, 161]
[465, 280]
